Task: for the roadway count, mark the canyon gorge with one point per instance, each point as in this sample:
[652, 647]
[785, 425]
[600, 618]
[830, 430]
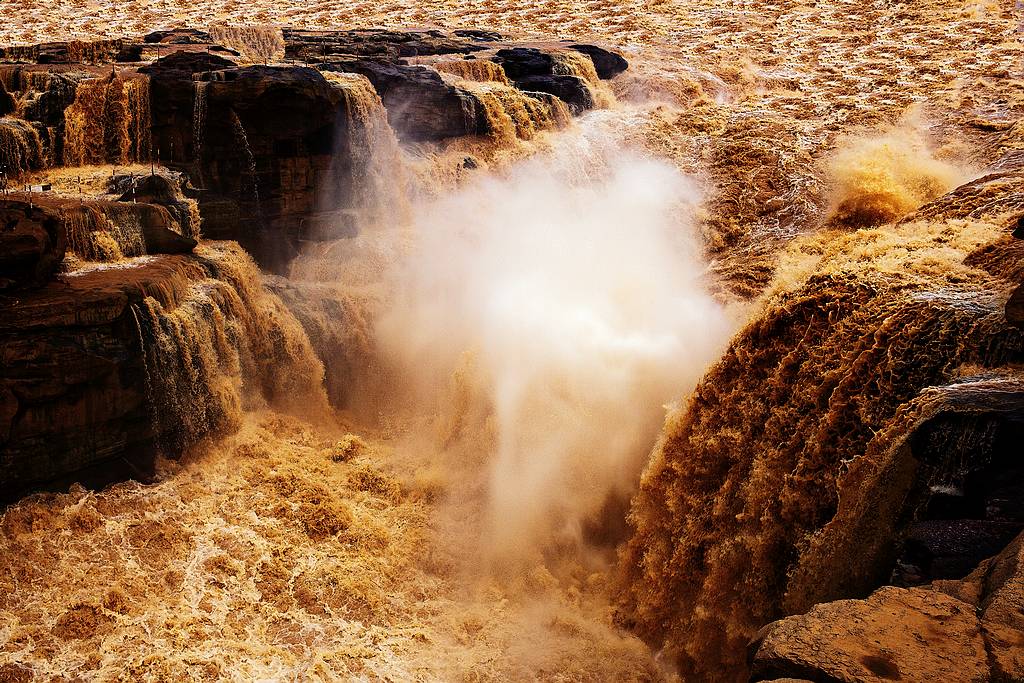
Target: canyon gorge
[585, 341]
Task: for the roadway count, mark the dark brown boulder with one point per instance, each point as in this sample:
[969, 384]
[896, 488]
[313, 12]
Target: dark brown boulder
[521, 62]
[151, 189]
[32, 244]
[534, 70]
[271, 144]
[572, 90]
[71, 361]
[420, 104]
[607, 63]
[320, 46]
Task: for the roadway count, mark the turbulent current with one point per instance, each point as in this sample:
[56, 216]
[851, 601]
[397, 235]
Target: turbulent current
[552, 463]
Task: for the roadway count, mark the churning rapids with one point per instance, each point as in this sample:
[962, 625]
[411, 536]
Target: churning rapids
[558, 363]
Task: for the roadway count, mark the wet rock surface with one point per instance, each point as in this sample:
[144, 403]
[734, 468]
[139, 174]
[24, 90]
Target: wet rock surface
[420, 104]
[268, 144]
[572, 90]
[966, 630]
[607, 63]
[73, 377]
[896, 634]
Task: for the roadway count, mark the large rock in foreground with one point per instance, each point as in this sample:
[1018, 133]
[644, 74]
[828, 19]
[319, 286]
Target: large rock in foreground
[104, 366]
[896, 634]
[968, 630]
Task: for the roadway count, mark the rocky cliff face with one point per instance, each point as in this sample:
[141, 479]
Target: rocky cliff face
[864, 429]
[32, 244]
[103, 367]
[268, 147]
[146, 342]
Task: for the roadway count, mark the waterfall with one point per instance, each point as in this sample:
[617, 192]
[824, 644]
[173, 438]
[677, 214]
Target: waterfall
[226, 345]
[242, 139]
[480, 70]
[368, 175]
[573, 63]
[91, 236]
[109, 122]
[192, 227]
[256, 44]
[21, 147]
[199, 91]
[737, 518]
[512, 114]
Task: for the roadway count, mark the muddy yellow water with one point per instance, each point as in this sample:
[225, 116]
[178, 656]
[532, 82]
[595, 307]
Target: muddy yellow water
[364, 547]
[286, 553]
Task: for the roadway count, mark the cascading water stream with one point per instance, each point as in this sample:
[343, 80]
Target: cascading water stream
[502, 355]
[199, 106]
[109, 122]
[226, 346]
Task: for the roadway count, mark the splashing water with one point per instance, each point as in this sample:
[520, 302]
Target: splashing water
[880, 178]
[574, 285]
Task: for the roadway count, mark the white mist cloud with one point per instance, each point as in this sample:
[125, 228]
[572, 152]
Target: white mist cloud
[574, 280]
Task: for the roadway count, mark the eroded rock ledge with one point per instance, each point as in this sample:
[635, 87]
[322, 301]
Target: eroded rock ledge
[271, 146]
[969, 630]
[113, 311]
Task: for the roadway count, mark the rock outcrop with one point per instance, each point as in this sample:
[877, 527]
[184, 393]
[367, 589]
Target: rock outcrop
[71, 52]
[73, 380]
[100, 229]
[172, 102]
[321, 46]
[420, 104]
[572, 90]
[269, 149]
[269, 140]
[608, 64]
[103, 364]
[32, 244]
[165, 191]
[536, 70]
[969, 630]
[897, 634]
[103, 367]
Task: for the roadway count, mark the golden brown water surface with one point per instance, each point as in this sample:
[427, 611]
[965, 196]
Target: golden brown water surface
[294, 551]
